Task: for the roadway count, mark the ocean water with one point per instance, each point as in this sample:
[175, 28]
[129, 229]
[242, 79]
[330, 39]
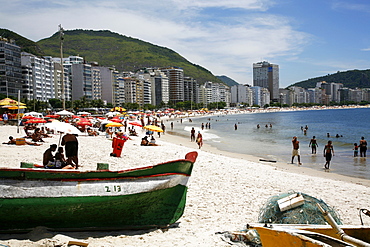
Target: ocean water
[274, 143]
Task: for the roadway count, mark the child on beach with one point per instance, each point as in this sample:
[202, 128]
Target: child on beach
[355, 148]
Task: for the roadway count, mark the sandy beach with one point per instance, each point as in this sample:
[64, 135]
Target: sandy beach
[226, 190]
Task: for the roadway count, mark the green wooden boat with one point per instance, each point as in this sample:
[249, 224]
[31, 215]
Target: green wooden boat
[58, 199]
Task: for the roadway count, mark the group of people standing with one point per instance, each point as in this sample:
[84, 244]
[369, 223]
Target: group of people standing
[328, 150]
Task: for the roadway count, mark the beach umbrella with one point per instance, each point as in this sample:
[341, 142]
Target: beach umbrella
[64, 113]
[117, 120]
[36, 120]
[136, 124]
[52, 116]
[14, 107]
[28, 117]
[117, 108]
[8, 101]
[113, 124]
[63, 127]
[84, 122]
[153, 128]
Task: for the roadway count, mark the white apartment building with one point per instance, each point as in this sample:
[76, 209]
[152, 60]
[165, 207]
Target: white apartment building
[38, 75]
[159, 85]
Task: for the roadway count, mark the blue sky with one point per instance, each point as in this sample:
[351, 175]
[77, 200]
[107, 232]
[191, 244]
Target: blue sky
[306, 39]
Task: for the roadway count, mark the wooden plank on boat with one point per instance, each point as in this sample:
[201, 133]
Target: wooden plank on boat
[289, 202]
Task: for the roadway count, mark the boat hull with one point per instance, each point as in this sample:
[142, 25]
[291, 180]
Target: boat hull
[141, 198]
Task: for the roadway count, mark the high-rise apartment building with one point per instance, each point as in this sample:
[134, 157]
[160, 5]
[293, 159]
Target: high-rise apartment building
[266, 75]
[10, 68]
[176, 83]
[38, 77]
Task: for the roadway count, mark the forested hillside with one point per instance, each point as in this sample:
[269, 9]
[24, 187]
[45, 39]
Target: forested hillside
[350, 79]
[125, 53]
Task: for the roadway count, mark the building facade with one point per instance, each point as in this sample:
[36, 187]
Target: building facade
[266, 75]
[10, 68]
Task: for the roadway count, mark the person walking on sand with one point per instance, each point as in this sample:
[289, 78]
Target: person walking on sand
[363, 147]
[192, 134]
[295, 151]
[71, 147]
[313, 144]
[199, 140]
[328, 153]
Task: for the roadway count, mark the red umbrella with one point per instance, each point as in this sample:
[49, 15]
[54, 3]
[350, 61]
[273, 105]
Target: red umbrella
[117, 120]
[36, 120]
[84, 121]
[136, 124]
[28, 117]
[52, 116]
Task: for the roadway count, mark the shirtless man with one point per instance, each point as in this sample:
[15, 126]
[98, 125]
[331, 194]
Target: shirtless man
[328, 153]
[192, 134]
[71, 147]
[313, 145]
[295, 151]
[48, 159]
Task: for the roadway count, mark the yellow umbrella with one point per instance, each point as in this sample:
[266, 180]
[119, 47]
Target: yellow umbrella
[8, 101]
[113, 124]
[153, 128]
[14, 107]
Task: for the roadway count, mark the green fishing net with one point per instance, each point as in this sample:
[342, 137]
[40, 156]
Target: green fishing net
[308, 213]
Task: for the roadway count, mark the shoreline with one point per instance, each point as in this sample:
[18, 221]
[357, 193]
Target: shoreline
[295, 168]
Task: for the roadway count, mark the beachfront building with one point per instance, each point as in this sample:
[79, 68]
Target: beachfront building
[10, 68]
[261, 96]
[212, 92]
[191, 90]
[96, 83]
[38, 77]
[58, 85]
[266, 75]
[111, 90]
[143, 89]
[82, 86]
[159, 85]
[137, 91]
[331, 89]
[316, 95]
[175, 77]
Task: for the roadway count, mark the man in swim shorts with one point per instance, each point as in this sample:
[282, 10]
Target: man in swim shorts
[313, 145]
[295, 151]
[71, 149]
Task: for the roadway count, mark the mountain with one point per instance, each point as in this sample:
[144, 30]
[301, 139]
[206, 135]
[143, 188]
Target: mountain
[125, 53]
[350, 79]
[26, 44]
[227, 80]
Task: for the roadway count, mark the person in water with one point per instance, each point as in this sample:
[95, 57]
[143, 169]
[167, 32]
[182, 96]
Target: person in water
[313, 145]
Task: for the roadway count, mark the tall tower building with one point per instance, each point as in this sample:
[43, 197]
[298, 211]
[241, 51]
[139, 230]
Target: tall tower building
[266, 75]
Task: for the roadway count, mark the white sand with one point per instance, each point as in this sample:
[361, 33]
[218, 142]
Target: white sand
[225, 193]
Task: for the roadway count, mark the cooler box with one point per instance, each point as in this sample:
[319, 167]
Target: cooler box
[20, 141]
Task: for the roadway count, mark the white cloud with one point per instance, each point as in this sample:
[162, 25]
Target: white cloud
[227, 47]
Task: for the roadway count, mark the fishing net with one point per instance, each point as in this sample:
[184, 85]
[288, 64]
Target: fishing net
[308, 213]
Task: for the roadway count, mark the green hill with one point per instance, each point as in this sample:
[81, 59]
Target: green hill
[125, 53]
[350, 79]
[26, 44]
[227, 80]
